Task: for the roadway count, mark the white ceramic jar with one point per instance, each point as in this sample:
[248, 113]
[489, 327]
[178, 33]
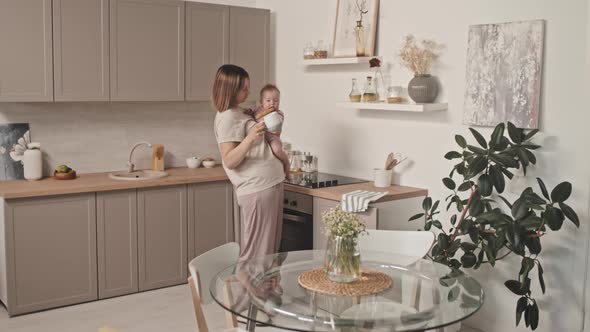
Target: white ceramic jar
[33, 162]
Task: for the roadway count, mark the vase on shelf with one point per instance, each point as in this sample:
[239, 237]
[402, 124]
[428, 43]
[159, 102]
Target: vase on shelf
[343, 259]
[370, 94]
[359, 33]
[423, 88]
[354, 95]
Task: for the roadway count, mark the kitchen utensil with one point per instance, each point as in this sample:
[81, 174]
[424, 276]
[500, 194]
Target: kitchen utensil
[193, 162]
[157, 157]
[389, 161]
[382, 177]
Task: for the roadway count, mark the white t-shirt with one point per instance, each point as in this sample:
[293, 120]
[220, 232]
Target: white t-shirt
[260, 169]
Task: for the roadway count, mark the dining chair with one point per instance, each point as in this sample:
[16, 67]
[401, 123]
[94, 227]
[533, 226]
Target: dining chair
[202, 269]
[411, 245]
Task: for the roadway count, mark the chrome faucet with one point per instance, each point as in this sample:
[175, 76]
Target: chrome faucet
[130, 165]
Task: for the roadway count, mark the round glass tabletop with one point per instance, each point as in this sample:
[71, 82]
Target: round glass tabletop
[424, 294]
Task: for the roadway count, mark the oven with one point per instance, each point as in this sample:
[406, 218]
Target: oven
[297, 231]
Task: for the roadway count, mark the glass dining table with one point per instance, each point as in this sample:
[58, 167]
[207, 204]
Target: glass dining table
[424, 295]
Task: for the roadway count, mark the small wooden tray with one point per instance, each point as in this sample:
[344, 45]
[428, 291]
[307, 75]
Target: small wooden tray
[65, 176]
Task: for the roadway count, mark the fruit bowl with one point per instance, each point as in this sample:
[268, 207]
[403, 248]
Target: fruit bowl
[65, 176]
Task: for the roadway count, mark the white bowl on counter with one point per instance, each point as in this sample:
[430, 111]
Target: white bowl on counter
[193, 162]
[209, 163]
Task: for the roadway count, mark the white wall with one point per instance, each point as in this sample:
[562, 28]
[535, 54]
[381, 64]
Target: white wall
[353, 142]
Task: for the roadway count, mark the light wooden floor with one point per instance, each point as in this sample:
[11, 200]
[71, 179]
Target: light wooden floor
[163, 310]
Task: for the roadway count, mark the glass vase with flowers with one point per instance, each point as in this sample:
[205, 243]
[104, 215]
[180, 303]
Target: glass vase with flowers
[343, 257]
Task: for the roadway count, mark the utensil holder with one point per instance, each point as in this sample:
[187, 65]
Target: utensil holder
[382, 177]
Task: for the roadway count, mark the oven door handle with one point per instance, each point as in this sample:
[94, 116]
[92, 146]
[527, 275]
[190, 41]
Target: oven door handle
[295, 218]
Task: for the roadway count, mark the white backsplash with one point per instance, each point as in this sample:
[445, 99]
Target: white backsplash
[96, 137]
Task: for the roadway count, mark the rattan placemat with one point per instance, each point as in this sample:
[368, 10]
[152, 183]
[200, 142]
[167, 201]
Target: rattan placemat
[370, 282]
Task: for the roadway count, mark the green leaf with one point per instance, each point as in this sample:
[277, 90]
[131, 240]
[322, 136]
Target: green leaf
[479, 259]
[534, 316]
[434, 207]
[477, 150]
[437, 224]
[570, 213]
[553, 218]
[416, 216]
[476, 208]
[468, 246]
[531, 156]
[520, 307]
[503, 160]
[526, 266]
[449, 183]
[465, 186]
[519, 209]
[543, 188]
[479, 138]
[490, 255]
[461, 141]
[427, 203]
[530, 134]
[532, 221]
[484, 185]
[541, 279]
[527, 317]
[468, 260]
[478, 165]
[531, 146]
[497, 179]
[453, 219]
[506, 172]
[427, 226]
[497, 136]
[562, 192]
[515, 287]
[512, 236]
[534, 245]
[505, 201]
[453, 155]
[443, 240]
[514, 133]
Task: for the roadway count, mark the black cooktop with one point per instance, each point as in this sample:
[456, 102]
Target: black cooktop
[321, 180]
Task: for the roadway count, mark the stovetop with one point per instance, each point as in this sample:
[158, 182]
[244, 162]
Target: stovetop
[321, 180]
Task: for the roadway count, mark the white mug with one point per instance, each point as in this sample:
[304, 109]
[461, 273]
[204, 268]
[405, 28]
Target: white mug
[273, 121]
[382, 177]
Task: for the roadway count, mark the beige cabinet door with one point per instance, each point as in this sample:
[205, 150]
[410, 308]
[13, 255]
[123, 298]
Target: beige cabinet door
[210, 215]
[147, 50]
[320, 206]
[81, 50]
[50, 252]
[249, 45]
[26, 65]
[162, 236]
[116, 216]
[207, 47]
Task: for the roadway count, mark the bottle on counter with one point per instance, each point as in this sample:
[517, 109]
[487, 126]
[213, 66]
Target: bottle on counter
[33, 162]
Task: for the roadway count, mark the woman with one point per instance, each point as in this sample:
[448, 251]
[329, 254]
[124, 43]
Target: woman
[257, 175]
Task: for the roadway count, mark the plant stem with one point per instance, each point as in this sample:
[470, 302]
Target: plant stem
[465, 209]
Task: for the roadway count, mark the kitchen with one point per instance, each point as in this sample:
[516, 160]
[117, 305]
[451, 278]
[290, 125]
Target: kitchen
[173, 110]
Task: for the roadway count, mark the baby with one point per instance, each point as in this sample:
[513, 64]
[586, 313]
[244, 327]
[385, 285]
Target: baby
[270, 97]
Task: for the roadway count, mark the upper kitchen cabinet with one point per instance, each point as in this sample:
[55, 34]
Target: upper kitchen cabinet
[250, 44]
[207, 47]
[81, 50]
[26, 65]
[147, 50]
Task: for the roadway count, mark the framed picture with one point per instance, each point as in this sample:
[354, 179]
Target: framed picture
[503, 76]
[348, 12]
[14, 140]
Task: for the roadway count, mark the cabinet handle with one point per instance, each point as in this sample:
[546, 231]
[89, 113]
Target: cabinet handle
[294, 218]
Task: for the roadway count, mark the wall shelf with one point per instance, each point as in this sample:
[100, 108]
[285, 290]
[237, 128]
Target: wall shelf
[402, 107]
[339, 61]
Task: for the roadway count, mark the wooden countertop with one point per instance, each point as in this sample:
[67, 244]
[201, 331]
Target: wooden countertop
[335, 193]
[95, 182]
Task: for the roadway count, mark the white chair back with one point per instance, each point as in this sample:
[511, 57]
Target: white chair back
[406, 243]
[204, 267]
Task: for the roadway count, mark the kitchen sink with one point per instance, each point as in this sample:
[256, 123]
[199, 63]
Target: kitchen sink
[138, 175]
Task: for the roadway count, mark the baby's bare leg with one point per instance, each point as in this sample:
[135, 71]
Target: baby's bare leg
[277, 149]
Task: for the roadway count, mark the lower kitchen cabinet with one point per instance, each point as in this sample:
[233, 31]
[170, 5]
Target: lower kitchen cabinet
[320, 206]
[210, 216]
[162, 236]
[116, 219]
[48, 256]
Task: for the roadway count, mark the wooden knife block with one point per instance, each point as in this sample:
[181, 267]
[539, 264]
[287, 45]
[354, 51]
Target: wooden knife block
[157, 157]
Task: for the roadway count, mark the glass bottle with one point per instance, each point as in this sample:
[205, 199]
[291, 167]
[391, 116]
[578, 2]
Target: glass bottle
[370, 94]
[394, 94]
[355, 94]
[308, 51]
[321, 51]
[359, 33]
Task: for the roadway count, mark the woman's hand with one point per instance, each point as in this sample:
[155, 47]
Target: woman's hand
[256, 133]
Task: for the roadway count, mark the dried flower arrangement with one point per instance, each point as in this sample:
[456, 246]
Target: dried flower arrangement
[419, 59]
